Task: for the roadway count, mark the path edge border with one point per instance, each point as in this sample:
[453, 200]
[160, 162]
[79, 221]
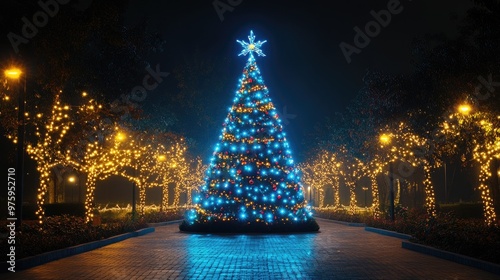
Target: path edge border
[350, 224]
[46, 257]
[389, 233]
[454, 257]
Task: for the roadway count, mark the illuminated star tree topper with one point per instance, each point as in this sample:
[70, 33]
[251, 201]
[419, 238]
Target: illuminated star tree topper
[251, 46]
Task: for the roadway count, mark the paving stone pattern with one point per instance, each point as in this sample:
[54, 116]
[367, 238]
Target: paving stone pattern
[336, 252]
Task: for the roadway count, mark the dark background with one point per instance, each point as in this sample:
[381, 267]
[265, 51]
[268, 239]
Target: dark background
[305, 70]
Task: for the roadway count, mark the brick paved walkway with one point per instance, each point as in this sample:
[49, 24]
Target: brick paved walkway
[337, 252]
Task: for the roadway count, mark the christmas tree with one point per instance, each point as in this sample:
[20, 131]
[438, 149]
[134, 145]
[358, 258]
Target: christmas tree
[252, 184]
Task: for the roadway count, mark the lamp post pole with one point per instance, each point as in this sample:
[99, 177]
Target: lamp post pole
[385, 139]
[365, 189]
[15, 74]
[20, 153]
[133, 200]
[391, 191]
[310, 195]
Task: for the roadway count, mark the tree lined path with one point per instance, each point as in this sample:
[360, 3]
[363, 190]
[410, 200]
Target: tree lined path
[336, 252]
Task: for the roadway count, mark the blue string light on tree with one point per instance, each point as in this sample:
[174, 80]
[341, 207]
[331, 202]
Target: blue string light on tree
[252, 183]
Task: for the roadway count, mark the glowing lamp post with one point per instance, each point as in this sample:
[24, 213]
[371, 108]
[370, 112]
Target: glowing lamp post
[15, 74]
[364, 190]
[72, 180]
[498, 177]
[385, 139]
[162, 158]
[120, 137]
[464, 109]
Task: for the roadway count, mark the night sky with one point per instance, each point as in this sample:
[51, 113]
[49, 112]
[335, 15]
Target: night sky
[305, 69]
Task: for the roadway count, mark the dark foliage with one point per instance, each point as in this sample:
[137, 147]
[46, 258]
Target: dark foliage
[158, 217]
[59, 209]
[340, 216]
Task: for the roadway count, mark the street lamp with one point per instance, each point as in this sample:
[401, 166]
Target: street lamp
[162, 158]
[464, 109]
[120, 137]
[15, 74]
[498, 177]
[384, 140]
[72, 180]
[364, 190]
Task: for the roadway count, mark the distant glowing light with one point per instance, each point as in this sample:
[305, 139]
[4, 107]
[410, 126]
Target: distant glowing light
[464, 109]
[385, 139]
[13, 73]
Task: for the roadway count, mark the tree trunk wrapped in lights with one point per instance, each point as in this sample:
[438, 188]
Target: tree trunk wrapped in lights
[321, 171]
[481, 133]
[102, 160]
[352, 171]
[48, 151]
[194, 178]
[372, 170]
[400, 143]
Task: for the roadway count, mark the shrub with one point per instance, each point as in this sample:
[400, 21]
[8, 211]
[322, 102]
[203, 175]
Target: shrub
[463, 210]
[59, 232]
[470, 237]
[157, 217]
[341, 215]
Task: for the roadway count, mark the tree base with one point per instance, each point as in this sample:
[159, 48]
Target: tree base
[244, 227]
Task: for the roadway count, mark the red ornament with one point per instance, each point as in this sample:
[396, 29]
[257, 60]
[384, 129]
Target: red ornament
[250, 80]
[279, 196]
[251, 182]
[239, 171]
